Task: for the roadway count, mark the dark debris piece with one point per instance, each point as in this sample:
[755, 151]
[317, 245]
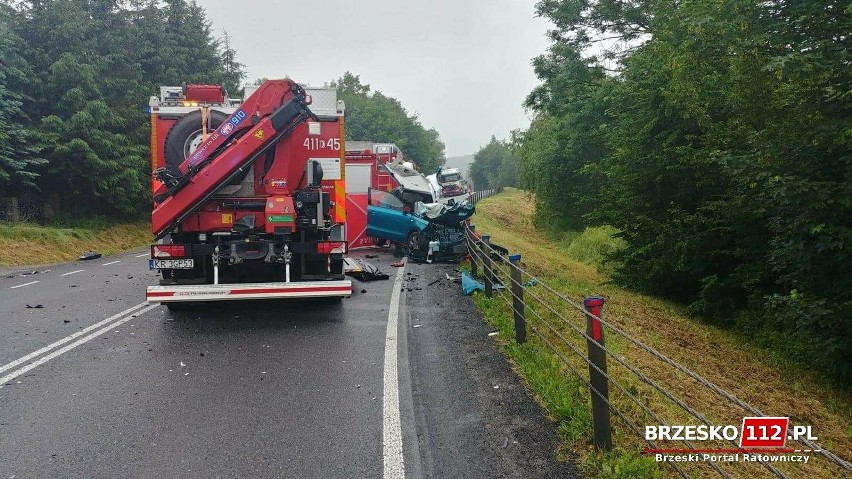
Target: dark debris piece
[88, 255]
[366, 272]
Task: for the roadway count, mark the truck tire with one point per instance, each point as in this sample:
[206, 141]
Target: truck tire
[186, 135]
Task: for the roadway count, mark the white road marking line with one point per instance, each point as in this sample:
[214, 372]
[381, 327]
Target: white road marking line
[25, 284]
[143, 254]
[68, 338]
[394, 466]
[111, 262]
[73, 345]
[73, 272]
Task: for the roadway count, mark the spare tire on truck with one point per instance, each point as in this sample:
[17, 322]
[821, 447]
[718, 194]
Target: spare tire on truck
[186, 135]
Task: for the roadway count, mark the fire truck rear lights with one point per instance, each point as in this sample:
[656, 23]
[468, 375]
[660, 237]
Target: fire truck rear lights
[168, 251]
[331, 247]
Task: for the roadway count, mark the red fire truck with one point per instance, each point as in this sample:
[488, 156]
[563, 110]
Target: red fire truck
[249, 199]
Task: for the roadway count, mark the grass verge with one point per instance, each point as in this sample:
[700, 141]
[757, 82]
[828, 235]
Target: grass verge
[29, 244]
[573, 265]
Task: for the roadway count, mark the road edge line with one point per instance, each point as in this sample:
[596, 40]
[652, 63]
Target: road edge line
[394, 465]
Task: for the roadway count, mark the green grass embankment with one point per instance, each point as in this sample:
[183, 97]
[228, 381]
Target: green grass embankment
[31, 244]
[573, 264]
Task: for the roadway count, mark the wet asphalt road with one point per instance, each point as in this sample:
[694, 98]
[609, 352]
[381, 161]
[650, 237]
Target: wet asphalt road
[255, 389]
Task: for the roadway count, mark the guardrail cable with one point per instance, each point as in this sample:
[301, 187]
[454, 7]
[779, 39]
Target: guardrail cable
[482, 252]
[611, 380]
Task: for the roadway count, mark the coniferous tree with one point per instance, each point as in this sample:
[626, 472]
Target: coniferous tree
[92, 64]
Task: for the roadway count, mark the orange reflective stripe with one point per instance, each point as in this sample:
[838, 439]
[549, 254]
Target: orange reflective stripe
[155, 157]
[340, 201]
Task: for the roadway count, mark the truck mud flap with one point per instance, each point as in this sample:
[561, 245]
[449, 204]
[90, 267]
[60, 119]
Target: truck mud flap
[231, 292]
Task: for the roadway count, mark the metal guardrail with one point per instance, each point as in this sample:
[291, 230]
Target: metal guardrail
[556, 322]
[478, 195]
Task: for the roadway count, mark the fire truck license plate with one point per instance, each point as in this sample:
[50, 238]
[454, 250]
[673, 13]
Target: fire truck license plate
[171, 263]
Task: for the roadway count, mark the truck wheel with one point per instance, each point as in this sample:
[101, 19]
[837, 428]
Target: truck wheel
[185, 136]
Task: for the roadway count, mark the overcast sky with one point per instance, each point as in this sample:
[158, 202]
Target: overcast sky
[462, 65]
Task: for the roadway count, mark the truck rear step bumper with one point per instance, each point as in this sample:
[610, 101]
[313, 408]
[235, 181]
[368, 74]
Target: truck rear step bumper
[225, 292]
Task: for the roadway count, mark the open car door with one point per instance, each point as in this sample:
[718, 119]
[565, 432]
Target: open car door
[386, 216]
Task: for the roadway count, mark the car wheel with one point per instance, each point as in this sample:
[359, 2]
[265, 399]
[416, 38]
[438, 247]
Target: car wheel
[416, 243]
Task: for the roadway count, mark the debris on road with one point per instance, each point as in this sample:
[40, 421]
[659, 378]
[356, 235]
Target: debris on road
[469, 285]
[371, 256]
[493, 333]
[38, 306]
[88, 255]
[398, 264]
[362, 270]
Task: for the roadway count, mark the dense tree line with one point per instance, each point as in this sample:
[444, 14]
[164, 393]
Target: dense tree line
[495, 165]
[715, 135]
[75, 76]
[373, 116]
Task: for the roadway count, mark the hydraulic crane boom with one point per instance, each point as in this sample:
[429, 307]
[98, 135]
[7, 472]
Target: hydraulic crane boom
[265, 118]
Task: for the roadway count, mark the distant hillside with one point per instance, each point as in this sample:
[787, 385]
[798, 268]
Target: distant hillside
[460, 162]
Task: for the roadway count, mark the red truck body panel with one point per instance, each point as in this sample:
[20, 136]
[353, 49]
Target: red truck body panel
[364, 172]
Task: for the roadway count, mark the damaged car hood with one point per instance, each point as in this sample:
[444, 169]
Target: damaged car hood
[444, 215]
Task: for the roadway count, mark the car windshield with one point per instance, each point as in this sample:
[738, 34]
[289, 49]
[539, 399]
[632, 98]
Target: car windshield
[385, 200]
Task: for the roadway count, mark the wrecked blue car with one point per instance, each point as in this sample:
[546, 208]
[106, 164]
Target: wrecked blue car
[425, 231]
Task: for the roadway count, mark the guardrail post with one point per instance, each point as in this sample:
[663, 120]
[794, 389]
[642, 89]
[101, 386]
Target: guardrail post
[472, 251]
[486, 268]
[518, 299]
[598, 379]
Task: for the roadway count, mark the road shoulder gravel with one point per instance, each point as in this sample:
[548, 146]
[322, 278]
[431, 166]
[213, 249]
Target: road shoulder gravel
[473, 415]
